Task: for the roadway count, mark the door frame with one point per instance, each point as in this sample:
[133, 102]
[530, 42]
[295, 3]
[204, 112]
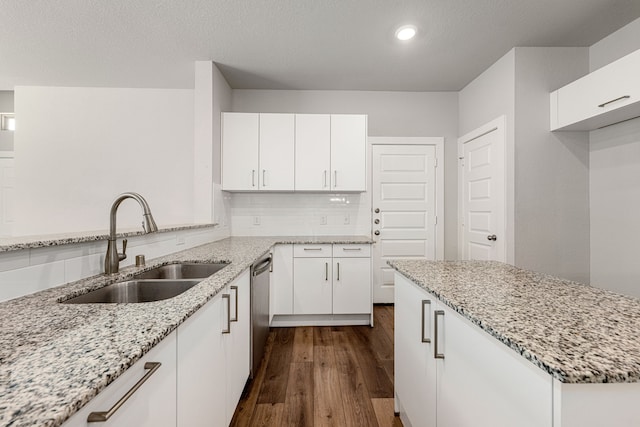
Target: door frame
[499, 126]
[438, 143]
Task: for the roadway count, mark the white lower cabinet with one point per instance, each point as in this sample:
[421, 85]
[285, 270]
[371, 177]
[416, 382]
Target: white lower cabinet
[331, 279]
[450, 373]
[213, 357]
[281, 280]
[153, 404]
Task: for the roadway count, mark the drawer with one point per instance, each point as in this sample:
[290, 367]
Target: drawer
[352, 251]
[312, 251]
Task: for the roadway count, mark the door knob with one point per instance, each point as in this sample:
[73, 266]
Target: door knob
[377, 210]
[377, 232]
[377, 221]
[492, 237]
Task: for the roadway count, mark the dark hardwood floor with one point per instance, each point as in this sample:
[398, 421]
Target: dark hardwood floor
[324, 376]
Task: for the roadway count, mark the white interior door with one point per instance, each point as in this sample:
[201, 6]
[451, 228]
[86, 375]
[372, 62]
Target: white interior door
[7, 190]
[404, 209]
[482, 178]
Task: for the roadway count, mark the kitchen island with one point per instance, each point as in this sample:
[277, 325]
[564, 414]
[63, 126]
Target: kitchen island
[579, 345]
[54, 358]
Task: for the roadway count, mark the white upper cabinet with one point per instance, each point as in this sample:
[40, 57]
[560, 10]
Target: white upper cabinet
[294, 152]
[606, 96]
[257, 152]
[348, 152]
[276, 152]
[313, 152]
[240, 134]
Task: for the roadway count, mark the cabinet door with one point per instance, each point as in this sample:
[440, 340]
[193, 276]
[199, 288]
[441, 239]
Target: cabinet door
[348, 152]
[240, 151]
[605, 96]
[483, 383]
[281, 280]
[312, 289]
[276, 152]
[201, 367]
[415, 365]
[351, 285]
[238, 347]
[152, 405]
[313, 152]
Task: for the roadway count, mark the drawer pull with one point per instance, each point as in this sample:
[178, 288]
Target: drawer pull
[234, 319]
[228, 298]
[99, 417]
[435, 345]
[425, 302]
[351, 249]
[613, 100]
[312, 249]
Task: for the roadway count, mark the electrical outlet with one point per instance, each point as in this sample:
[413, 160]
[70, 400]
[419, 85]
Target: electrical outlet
[347, 219]
[256, 220]
[323, 220]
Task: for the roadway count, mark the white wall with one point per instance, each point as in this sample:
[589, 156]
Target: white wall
[615, 183]
[547, 174]
[551, 169]
[615, 45]
[615, 207]
[212, 95]
[389, 114]
[76, 149]
[487, 97]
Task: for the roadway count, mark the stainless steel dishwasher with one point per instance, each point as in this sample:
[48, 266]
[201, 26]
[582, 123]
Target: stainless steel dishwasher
[259, 309]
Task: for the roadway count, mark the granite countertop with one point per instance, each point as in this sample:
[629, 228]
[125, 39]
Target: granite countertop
[55, 357]
[39, 241]
[577, 333]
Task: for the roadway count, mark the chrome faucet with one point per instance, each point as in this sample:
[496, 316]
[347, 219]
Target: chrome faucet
[113, 258]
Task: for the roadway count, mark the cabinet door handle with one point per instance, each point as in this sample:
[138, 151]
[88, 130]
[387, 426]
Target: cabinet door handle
[326, 271]
[325, 179]
[253, 177]
[338, 264]
[228, 328]
[335, 178]
[436, 354]
[425, 302]
[99, 417]
[264, 177]
[271, 266]
[613, 100]
[234, 319]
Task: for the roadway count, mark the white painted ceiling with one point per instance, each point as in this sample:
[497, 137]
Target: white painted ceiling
[285, 44]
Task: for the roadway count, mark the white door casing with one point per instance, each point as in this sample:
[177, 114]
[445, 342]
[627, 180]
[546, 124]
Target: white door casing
[482, 226]
[407, 189]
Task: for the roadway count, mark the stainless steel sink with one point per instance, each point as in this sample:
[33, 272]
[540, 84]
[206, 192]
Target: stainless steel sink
[187, 270]
[133, 291]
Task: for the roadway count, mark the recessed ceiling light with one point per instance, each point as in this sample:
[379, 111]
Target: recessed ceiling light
[406, 32]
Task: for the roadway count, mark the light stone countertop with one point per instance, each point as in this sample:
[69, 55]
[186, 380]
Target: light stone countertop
[55, 357]
[17, 243]
[575, 332]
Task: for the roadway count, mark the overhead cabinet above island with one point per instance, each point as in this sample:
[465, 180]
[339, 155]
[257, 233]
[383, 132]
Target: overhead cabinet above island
[294, 152]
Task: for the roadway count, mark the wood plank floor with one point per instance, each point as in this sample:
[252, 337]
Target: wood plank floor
[324, 376]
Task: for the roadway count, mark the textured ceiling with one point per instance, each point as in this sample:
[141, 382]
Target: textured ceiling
[285, 44]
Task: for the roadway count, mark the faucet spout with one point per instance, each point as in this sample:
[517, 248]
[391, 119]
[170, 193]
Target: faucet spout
[113, 258]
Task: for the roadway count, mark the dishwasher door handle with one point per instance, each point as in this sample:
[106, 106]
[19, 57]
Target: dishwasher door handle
[262, 267]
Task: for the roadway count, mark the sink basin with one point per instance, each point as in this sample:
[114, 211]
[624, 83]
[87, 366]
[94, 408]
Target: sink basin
[134, 291]
[187, 270]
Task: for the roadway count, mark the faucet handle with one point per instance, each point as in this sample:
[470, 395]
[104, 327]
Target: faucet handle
[123, 255]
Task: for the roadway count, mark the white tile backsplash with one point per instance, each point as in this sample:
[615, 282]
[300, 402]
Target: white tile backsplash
[272, 214]
[30, 270]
